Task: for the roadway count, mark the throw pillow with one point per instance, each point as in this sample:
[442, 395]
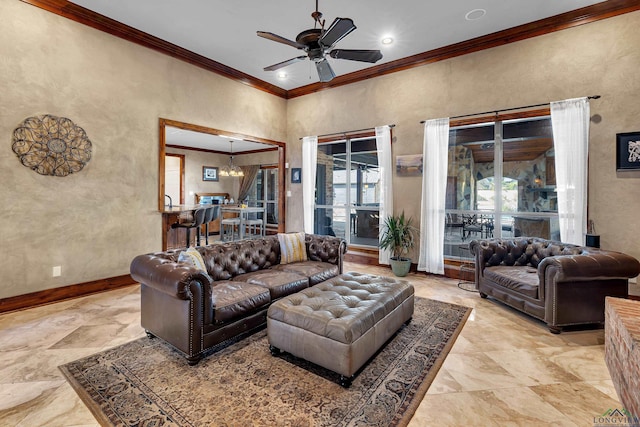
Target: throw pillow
[292, 247]
[192, 257]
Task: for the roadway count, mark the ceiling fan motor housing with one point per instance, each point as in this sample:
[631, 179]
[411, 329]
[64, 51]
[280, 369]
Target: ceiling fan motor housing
[310, 38]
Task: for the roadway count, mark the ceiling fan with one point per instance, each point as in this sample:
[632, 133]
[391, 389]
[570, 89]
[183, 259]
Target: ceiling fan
[317, 42]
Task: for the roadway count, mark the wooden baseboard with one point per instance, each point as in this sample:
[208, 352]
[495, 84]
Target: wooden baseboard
[362, 255]
[49, 296]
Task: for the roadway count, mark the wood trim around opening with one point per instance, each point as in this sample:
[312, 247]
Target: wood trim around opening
[49, 296]
[539, 112]
[163, 123]
[585, 15]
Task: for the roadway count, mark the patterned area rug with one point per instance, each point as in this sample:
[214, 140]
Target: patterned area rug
[147, 383]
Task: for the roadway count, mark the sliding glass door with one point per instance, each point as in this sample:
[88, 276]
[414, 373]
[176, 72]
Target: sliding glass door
[501, 182]
[348, 191]
[264, 192]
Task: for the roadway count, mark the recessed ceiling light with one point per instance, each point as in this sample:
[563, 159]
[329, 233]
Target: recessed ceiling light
[282, 75]
[387, 40]
[475, 14]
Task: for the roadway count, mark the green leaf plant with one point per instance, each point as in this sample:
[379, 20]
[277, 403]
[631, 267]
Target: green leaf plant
[398, 235]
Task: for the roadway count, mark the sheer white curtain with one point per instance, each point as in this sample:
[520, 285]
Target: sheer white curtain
[309, 160]
[434, 187]
[383, 146]
[570, 122]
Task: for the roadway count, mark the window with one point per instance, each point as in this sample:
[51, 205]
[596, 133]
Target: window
[519, 155]
[348, 190]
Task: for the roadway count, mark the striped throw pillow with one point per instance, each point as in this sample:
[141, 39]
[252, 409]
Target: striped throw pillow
[292, 247]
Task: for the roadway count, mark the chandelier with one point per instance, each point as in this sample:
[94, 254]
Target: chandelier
[231, 169]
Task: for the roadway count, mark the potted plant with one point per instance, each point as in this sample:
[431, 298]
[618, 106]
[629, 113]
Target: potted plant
[398, 236]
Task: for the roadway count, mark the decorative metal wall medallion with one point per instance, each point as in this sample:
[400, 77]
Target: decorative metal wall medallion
[51, 145]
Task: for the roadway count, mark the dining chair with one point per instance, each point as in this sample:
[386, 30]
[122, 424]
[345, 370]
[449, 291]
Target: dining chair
[471, 224]
[228, 228]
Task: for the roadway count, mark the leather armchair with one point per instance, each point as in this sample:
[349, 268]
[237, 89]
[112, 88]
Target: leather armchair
[558, 283]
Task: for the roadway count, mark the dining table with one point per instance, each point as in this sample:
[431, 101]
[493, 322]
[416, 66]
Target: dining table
[243, 214]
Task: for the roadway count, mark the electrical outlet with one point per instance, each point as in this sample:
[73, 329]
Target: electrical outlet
[288, 193]
[57, 271]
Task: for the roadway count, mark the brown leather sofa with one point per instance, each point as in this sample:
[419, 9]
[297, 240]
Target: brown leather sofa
[193, 311]
[558, 283]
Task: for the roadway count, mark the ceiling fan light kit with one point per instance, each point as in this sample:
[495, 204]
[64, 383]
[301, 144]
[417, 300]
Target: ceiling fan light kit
[318, 42]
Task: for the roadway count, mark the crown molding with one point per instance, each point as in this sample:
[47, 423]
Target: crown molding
[100, 22]
[585, 15]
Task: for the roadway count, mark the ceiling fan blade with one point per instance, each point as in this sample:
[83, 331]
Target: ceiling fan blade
[325, 72]
[280, 39]
[337, 31]
[357, 55]
[284, 63]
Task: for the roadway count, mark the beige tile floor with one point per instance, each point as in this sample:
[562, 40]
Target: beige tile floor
[505, 368]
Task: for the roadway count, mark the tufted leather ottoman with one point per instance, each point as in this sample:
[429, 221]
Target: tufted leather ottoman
[340, 323]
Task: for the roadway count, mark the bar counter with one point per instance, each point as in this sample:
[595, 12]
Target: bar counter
[173, 238]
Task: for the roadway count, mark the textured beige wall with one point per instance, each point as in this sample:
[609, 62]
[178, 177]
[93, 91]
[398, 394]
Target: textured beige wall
[94, 222]
[193, 183]
[194, 160]
[266, 158]
[599, 58]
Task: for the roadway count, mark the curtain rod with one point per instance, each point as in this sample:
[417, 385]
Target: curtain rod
[346, 132]
[507, 109]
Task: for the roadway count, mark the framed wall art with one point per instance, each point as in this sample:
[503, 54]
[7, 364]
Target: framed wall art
[209, 173]
[296, 175]
[409, 165]
[628, 151]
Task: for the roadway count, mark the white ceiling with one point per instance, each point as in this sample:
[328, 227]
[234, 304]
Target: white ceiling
[225, 30]
[204, 141]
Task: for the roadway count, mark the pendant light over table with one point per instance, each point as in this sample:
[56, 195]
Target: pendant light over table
[231, 169]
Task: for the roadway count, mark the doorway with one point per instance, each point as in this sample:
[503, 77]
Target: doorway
[174, 177]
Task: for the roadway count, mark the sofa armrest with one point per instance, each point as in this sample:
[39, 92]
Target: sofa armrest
[167, 276]
[588, 266]
[329, 249]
